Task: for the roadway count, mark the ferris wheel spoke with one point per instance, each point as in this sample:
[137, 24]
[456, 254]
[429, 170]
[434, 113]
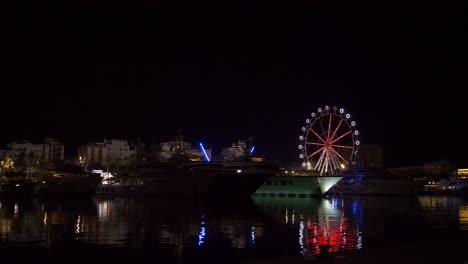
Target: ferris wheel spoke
[321, 125]
[340, 146]
[319, 137]
[318, 166]
[311, 155]
[327, 160]
[333, 165]
[313, 143]
[338, 154]
[336, 129]
[337, 163]
[329, 128]
[324, 162]
[338, 138]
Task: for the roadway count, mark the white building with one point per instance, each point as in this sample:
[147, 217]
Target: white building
[107, 153]
[17, 149]
[49, 150]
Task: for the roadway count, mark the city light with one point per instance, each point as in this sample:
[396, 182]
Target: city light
[252, 150]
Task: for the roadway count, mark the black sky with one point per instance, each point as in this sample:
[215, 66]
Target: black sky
[80, 70]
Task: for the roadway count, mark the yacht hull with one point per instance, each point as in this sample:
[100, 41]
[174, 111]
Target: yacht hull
[205, 181]
[69, 186]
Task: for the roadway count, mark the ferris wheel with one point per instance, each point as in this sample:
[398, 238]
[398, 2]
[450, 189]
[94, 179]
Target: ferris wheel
[329, 141]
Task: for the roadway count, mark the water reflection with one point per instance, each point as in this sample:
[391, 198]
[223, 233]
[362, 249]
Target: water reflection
[463, 212]
[264, 227]
[352, 223]
[319, 222]
[201, 236]
[448, 215]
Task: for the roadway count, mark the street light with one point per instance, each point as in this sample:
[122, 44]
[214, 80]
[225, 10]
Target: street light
[82, 161]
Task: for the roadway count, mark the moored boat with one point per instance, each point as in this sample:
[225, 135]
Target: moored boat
[66, 180]
[374, 181]
[449, 186]
[233, 179]
[303, 183]
[16, 184]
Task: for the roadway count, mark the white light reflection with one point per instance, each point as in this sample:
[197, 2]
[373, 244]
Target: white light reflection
[16, 209]
[253, 235]
[104, 208]
[301, 236]
[359, 240]
[202, 233]
[77, 225]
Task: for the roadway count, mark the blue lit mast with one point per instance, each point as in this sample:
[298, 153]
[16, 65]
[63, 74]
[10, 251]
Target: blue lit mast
[250, 143]
[204, 152]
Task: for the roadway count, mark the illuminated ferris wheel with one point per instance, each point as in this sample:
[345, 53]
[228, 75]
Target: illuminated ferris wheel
[329, 141]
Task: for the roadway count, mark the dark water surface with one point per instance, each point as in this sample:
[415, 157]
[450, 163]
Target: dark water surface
[185, 231]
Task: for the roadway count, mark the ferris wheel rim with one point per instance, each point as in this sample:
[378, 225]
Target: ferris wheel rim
[326, 139]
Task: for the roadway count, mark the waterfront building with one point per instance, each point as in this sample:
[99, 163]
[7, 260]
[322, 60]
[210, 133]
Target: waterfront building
[371, 156]
[50, 150]
[106, 153]
[439, 169]
[23, 149]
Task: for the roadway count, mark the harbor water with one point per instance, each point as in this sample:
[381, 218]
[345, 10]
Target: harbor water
[118, 230]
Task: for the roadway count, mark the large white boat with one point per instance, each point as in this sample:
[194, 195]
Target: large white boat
[374, 181]
[186, 174]
[234, 179]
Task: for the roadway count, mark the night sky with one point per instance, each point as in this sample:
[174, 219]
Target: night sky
[221, 70]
